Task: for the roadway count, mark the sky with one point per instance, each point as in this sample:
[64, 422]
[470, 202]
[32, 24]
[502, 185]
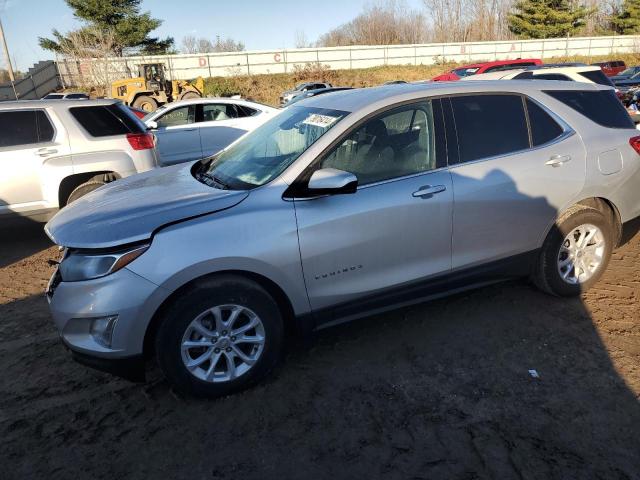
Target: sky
[260, 24]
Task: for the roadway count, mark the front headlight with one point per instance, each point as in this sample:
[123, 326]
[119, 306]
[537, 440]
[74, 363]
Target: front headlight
[83, 265]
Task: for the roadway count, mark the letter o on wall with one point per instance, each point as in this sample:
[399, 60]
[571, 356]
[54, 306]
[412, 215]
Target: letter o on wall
[277, 57]
[202, 61]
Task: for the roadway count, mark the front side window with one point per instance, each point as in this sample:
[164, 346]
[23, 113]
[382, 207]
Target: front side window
[178, 116]
[267, 151]
[489, 125]
[395, 144]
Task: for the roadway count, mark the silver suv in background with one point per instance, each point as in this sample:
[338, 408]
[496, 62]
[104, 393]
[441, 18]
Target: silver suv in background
[301, 88]
[340, 206]
[53, 152]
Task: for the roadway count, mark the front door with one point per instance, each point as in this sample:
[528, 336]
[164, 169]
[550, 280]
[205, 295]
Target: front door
[178, 136]
[395, 231]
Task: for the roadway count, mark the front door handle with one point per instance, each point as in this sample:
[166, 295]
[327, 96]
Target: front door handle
[45, 152]
[558, 160]
[429, 190]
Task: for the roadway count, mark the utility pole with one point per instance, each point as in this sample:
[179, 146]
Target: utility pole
[6, 54]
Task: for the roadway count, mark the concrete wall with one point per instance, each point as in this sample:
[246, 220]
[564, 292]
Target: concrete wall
[283, 61]
[40, 80]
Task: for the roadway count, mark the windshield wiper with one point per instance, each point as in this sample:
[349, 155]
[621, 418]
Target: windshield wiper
[214, 181]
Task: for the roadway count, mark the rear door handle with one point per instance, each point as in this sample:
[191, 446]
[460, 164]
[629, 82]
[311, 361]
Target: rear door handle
[429, 190]
[45, 152]
[558, 160]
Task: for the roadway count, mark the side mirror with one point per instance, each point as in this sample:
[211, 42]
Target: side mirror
[331, 181]
[152, 125]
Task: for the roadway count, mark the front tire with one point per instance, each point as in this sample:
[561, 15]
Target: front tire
[220, 336]
[575, 253]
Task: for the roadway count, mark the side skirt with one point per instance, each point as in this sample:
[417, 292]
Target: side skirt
[424, 290]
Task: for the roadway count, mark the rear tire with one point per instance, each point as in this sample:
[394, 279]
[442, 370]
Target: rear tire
[194, 317]
[575, 253]
[84, 188]
[145, 103]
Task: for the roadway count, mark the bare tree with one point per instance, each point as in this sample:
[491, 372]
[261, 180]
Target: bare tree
[300, 40]
[385, 22]
[205, 46]
[189, 44]
[94, 50]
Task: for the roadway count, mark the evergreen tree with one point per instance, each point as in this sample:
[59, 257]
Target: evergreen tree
[546, 18]
[130, 27]
[627, 22]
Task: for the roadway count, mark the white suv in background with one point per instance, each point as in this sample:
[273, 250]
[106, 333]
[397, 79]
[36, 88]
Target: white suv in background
[53, 152]
[194, 129]
[567, 73]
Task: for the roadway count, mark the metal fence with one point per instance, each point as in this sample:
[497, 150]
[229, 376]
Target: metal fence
[41, 79]
[283, 61]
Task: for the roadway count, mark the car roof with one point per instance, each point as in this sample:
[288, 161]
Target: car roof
[30, 104]
[497, 63]
[506, 74]
[356, 99]
[239, 101]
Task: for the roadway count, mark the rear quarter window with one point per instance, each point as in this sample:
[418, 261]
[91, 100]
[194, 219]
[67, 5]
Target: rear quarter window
[601, 106]
[106, 120]
[597, 76]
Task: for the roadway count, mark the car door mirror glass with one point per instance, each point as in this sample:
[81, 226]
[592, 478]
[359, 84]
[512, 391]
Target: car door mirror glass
[327, 181]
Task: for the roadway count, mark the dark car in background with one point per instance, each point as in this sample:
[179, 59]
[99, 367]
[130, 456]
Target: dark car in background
[626, 74]
[612, 67]
[313, 93]
[631, 82]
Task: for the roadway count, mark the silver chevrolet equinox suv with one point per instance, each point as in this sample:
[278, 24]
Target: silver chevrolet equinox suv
[343, 205]
[53, 152]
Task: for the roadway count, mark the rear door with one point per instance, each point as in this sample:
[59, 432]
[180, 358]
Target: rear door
[28, 140]
[221, 124]
[509, 182]
[178, 135]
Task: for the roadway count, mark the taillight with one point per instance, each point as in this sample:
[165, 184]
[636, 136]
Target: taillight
[635, 144]
[140, 141]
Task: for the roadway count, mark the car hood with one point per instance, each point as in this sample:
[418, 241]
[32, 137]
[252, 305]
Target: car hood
[131, 209]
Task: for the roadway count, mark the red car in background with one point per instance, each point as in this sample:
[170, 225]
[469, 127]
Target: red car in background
[478, 68]
[612, 67]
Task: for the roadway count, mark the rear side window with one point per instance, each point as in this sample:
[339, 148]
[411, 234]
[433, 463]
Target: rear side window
[244, 111]
[24, 127]
[106, 120]
[602, 106]
[552, 76]
[597, 76]
[489, 125]
[45, 129]
[544, 128]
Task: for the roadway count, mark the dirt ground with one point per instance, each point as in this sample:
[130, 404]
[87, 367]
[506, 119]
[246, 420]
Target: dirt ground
[440, 390]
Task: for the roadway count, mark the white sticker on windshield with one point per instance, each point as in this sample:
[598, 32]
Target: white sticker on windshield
[322, 121]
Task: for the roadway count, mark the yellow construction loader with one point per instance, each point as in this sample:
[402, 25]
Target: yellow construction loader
[151, 89]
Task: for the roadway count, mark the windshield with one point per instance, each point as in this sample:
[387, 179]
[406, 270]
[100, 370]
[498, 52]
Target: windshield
[628, 72]
[465, 72]
[266, 152]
